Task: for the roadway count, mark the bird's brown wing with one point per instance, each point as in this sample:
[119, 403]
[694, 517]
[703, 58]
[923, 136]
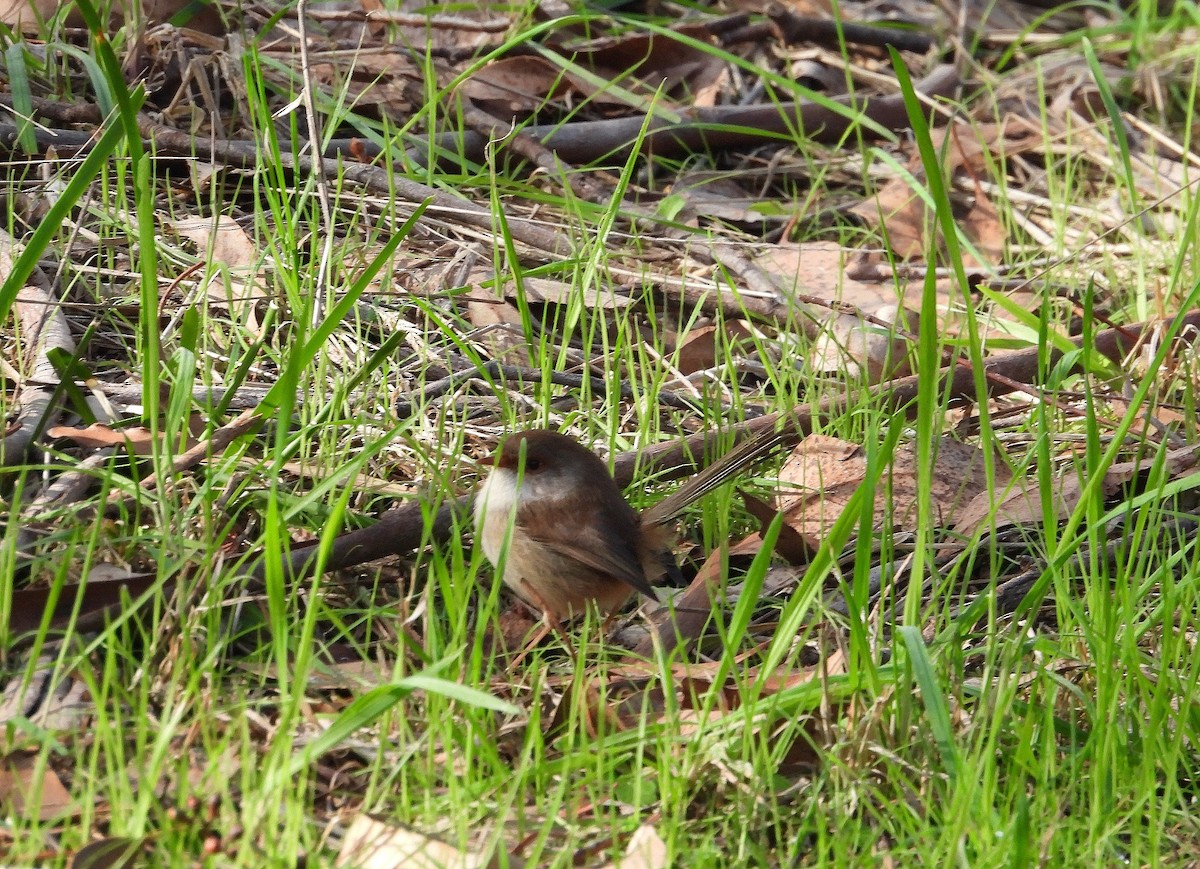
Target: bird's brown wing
[608, 547]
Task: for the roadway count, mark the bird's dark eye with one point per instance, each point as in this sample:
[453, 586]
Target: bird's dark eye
[533, 464]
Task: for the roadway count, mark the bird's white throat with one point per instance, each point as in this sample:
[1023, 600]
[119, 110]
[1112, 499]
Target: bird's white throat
[495, 509]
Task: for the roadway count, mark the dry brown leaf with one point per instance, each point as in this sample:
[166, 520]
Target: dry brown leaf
[1163, 414]
[788, 544]
[222, 240]
[822, 473]
[907, 221]
[26, 14]
[371, 844]
[902, 213]
[646, 850]
[657, 66]
[136, 439]
[819, 269]
[612, 77]
[1021, 504]
[517, 87]
[376, 83]
[27, 792]
[697, 350]
[968, 144]
[112, 852]
[97, 436]
[499, 329]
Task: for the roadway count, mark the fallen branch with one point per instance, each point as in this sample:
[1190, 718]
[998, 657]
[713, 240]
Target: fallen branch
[713, 129]
[43, 328]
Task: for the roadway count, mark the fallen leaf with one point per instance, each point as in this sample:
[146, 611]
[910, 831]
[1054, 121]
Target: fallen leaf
[822, 473]
[222, 240]
[499, 329]
[907, 221]
[29, 793]
[646, 850]
[372, 844]
[546, 291]
[700, 348]
[46, 699]
[116, 852]
[136, 439]
[789, 544]
[820, 269]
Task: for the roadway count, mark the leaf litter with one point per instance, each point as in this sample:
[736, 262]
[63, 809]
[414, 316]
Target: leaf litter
[729, 266]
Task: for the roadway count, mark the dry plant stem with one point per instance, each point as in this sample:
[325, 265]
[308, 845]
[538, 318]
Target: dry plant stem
[243, 423]
[506, 135]
[576, 143]
[320, 177]
[245, 155]
[404, 527]
[44, 328]
[571, 143]
[510, 373]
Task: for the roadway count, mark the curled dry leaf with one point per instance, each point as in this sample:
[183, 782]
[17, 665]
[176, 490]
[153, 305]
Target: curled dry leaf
[97, 436]
[970, 154]
[113, 852]
[136, 439]
[789, 544]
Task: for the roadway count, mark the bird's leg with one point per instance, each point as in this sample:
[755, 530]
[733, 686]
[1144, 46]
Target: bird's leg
[550, 622]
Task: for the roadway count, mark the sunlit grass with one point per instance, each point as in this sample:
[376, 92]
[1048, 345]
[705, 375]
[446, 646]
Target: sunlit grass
[1058, 736]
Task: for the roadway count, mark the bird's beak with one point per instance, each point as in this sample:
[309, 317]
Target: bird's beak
[488, 461]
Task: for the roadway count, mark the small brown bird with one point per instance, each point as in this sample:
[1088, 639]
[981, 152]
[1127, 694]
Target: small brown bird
[574, 539]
